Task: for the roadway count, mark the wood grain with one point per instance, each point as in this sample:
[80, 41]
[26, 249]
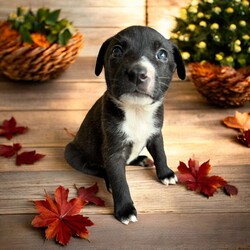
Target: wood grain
[160, 231]
[169, 217]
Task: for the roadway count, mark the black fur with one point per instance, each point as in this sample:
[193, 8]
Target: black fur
[99, 147]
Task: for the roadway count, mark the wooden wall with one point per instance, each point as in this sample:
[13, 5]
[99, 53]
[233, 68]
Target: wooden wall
[99, 19]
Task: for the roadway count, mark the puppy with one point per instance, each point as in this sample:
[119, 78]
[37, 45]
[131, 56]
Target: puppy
[139, 63]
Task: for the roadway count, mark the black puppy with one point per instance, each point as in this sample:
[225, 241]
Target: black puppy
[139, 64]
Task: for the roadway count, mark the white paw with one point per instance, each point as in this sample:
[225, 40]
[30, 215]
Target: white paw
[131, 218]
[170, 181]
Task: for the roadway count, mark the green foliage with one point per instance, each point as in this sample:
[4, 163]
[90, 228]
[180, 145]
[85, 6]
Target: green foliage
[45, 22]
[217, 31]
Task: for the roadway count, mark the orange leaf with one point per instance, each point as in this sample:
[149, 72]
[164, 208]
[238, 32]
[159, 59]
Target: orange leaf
[61, 217]
[40, 40]
[7, 34]
[239, 121]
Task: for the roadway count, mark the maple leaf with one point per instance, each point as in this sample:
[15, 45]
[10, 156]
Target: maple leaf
[29, 157]
[240, 121]
[61, 217]
[244, 137]
[9, 151]
[196, 177]
[9, 128]
[88, 195]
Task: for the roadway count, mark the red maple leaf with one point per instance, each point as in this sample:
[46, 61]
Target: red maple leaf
[195, 177]
[9, 151]
[61, 217]
[29, 157]
[88, 195]
[9, 128]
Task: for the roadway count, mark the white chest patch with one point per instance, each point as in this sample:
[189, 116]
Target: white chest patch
[139, 124]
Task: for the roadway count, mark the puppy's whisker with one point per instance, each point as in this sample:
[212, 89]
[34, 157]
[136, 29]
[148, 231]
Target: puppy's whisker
[163, 83]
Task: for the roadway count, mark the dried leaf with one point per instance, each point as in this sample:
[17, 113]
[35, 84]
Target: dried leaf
[40, 40]
[196, 178]
[9, 128]
[244, 137]
[61, 217]
[230, 190]
[88, 195]
[9, 151]
[28, 158]
[239, 121]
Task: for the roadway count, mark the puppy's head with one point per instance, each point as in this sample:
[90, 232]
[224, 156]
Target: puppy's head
[139, 63]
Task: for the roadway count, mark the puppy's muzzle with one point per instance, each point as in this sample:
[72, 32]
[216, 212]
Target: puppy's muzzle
[138, 75]
[142, 75]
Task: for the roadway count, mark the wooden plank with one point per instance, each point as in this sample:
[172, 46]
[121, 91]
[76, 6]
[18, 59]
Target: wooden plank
[161, 14]
[18, 189]
[64, 4]
[54, 160]
[176, 231]
[85, 14]
[179, 127]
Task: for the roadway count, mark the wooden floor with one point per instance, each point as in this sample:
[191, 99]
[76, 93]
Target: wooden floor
[169, 217]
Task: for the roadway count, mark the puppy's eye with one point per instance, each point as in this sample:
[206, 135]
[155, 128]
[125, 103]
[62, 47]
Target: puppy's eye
[162, 55]
[117, 51]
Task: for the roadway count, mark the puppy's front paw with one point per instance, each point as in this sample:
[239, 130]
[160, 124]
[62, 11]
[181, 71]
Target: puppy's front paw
[170, 179]
[126, 214]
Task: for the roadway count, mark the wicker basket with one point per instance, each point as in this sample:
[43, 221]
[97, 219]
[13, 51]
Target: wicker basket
[223, 86]
[30, 62]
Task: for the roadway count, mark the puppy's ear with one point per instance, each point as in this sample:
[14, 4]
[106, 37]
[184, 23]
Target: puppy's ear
[181, 71]
[100, 58]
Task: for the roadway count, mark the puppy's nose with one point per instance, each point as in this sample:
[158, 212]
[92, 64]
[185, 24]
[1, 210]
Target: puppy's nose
[137, 74]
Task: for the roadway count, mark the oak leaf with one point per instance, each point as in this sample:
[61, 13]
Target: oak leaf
[29, 157]
[196, 178]
[9, 151]
[88, 195]
[61, 217]
[10, 128]
[239, 121]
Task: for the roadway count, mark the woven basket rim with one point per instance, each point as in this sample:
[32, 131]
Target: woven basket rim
[32, 62]
[222, 85]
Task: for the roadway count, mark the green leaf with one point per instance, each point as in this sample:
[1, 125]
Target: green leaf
[64, 37]
[52, 17]
[25, 35]
[42, 14]
[51, 38]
